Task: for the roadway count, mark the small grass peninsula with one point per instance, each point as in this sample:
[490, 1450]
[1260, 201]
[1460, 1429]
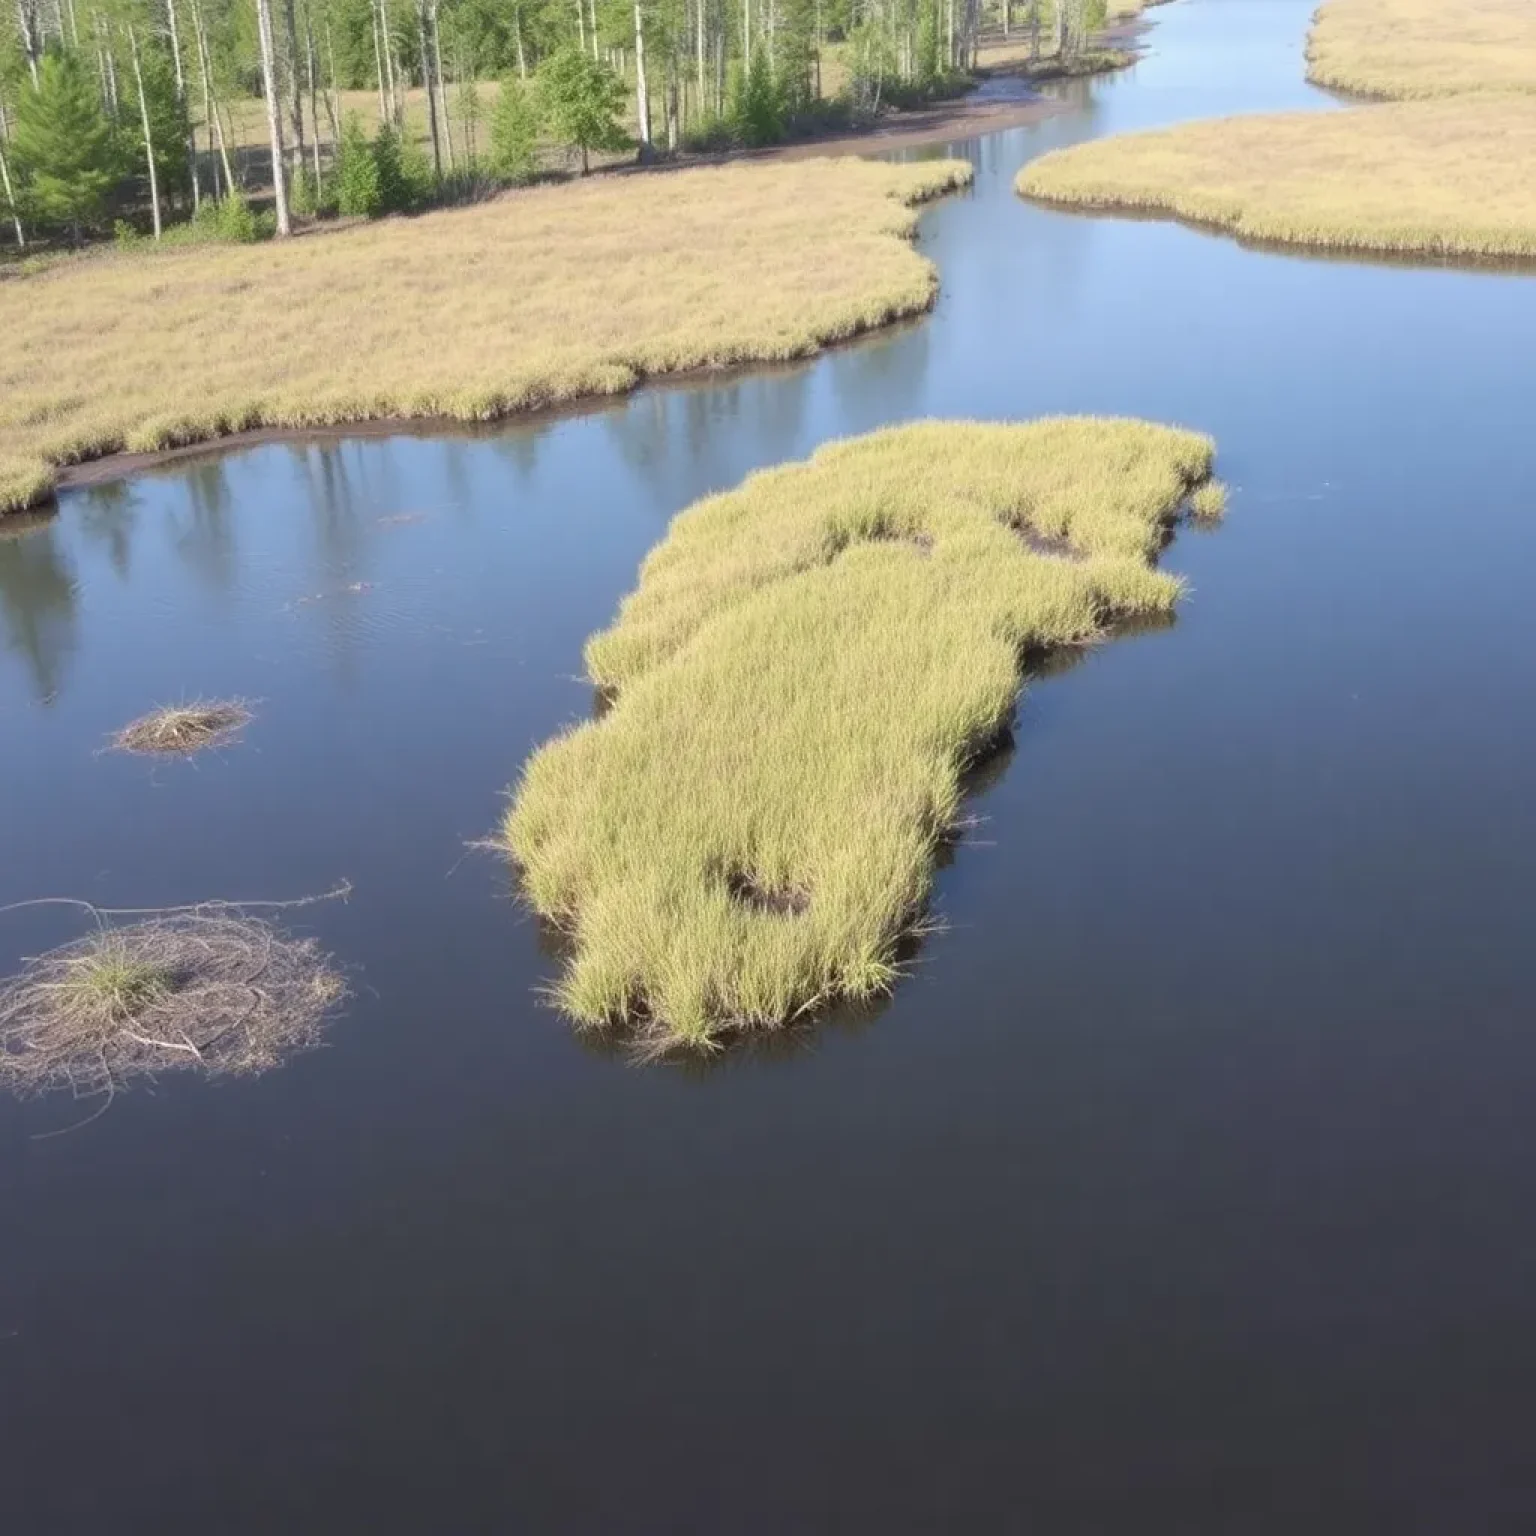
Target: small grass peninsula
[807, 669]
[543, 296]
[1452, 175]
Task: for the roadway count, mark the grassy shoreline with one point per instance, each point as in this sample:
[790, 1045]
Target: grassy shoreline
[807, 669]
[1439, 175]
[1411, 179]
[468, 314]
[1409, 50]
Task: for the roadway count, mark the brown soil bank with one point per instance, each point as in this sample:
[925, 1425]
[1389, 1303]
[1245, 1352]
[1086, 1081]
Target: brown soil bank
[544, 296]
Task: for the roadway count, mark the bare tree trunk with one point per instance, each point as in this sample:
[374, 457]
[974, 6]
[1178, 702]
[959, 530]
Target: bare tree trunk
[517, 28]
[1007, 17]
[295, 90]
[699, 50]
[592, 26]
[378, 59]
[746, 33]
[642, 97]
[210, 101]
[181, 100]
[581, 25]
[437, 70]
[274, 113]
[330, 85]
[149, 138]
[1060, 28]
[314, 95]
[74, 23]
[426, 80]
[5, 182]
[31, 35]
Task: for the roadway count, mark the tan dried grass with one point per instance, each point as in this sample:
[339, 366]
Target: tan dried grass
[1454, 178]
[1417, 48]
[546, 295]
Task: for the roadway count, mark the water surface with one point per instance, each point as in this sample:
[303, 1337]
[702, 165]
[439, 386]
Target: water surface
[1186, 1186]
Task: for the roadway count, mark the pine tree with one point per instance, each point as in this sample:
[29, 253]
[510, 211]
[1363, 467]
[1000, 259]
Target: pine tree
[359, 191]
[514, 132]
[583, 100]
[64, 147]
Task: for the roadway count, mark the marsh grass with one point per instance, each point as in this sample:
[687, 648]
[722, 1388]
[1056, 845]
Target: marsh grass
[543, 296]
[179, 730]
[1417, 48]
[1432, 179]
[810, 665]
[213, 989]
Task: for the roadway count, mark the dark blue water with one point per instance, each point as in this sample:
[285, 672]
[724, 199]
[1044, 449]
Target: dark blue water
[1187, 1186]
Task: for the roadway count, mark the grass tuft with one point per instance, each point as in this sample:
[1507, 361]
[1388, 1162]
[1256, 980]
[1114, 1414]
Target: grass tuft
[543, 296]
[810, 664]
[178, 730]
[1209, 502]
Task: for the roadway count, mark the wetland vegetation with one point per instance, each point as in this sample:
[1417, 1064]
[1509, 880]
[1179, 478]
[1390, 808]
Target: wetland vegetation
[807, 669]
[1449, 176]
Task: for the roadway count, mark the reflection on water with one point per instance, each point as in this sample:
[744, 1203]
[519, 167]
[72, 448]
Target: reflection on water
[1185, 1185]
[38, 597]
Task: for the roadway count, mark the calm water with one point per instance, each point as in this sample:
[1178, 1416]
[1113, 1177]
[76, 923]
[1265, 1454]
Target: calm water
[1187, 1187]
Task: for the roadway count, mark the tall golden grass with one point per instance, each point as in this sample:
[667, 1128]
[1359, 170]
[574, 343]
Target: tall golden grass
[1451, 175]
[1416, 48]
[542, 296]
[807, 668]
[1436, 178]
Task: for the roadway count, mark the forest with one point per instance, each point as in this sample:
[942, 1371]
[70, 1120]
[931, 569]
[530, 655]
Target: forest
[235, 119]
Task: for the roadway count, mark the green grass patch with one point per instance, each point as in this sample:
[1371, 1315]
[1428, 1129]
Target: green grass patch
[807, 669]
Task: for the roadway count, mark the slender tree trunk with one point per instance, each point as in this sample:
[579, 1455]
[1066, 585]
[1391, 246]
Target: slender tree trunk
[331, 114]
[295, 88]
[74, 23]
[517, 32]
[592, 25]
[1007, 17]
[1060, 39]
[426, 80]
[746, 33]
[378, 59]
[699, 50]
[6, 185]
[149, 138]
[181, 100]
[314, 94]
[437, 71]
[210, 100]
[31, 35]
[581, 25]
[642, 99]
[274, 113]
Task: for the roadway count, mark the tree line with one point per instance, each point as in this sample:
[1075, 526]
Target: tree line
[131, 105]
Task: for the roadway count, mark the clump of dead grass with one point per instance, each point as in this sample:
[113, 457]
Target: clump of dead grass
[1432, 179]
[179, 730]
[213, 988]
[1417, 48]
[807, 669]
[543, 296]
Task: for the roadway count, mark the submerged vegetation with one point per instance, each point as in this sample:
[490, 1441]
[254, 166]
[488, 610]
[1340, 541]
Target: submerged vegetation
[178, 730]
[545, 296]
[1436, 178]
[807, 669]
[211, 988]
[1431, 178]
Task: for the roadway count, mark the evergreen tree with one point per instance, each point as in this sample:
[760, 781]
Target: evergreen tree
[64, 146]
[359, 189]
[514, 132]
[757, 109]
[583, 100]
